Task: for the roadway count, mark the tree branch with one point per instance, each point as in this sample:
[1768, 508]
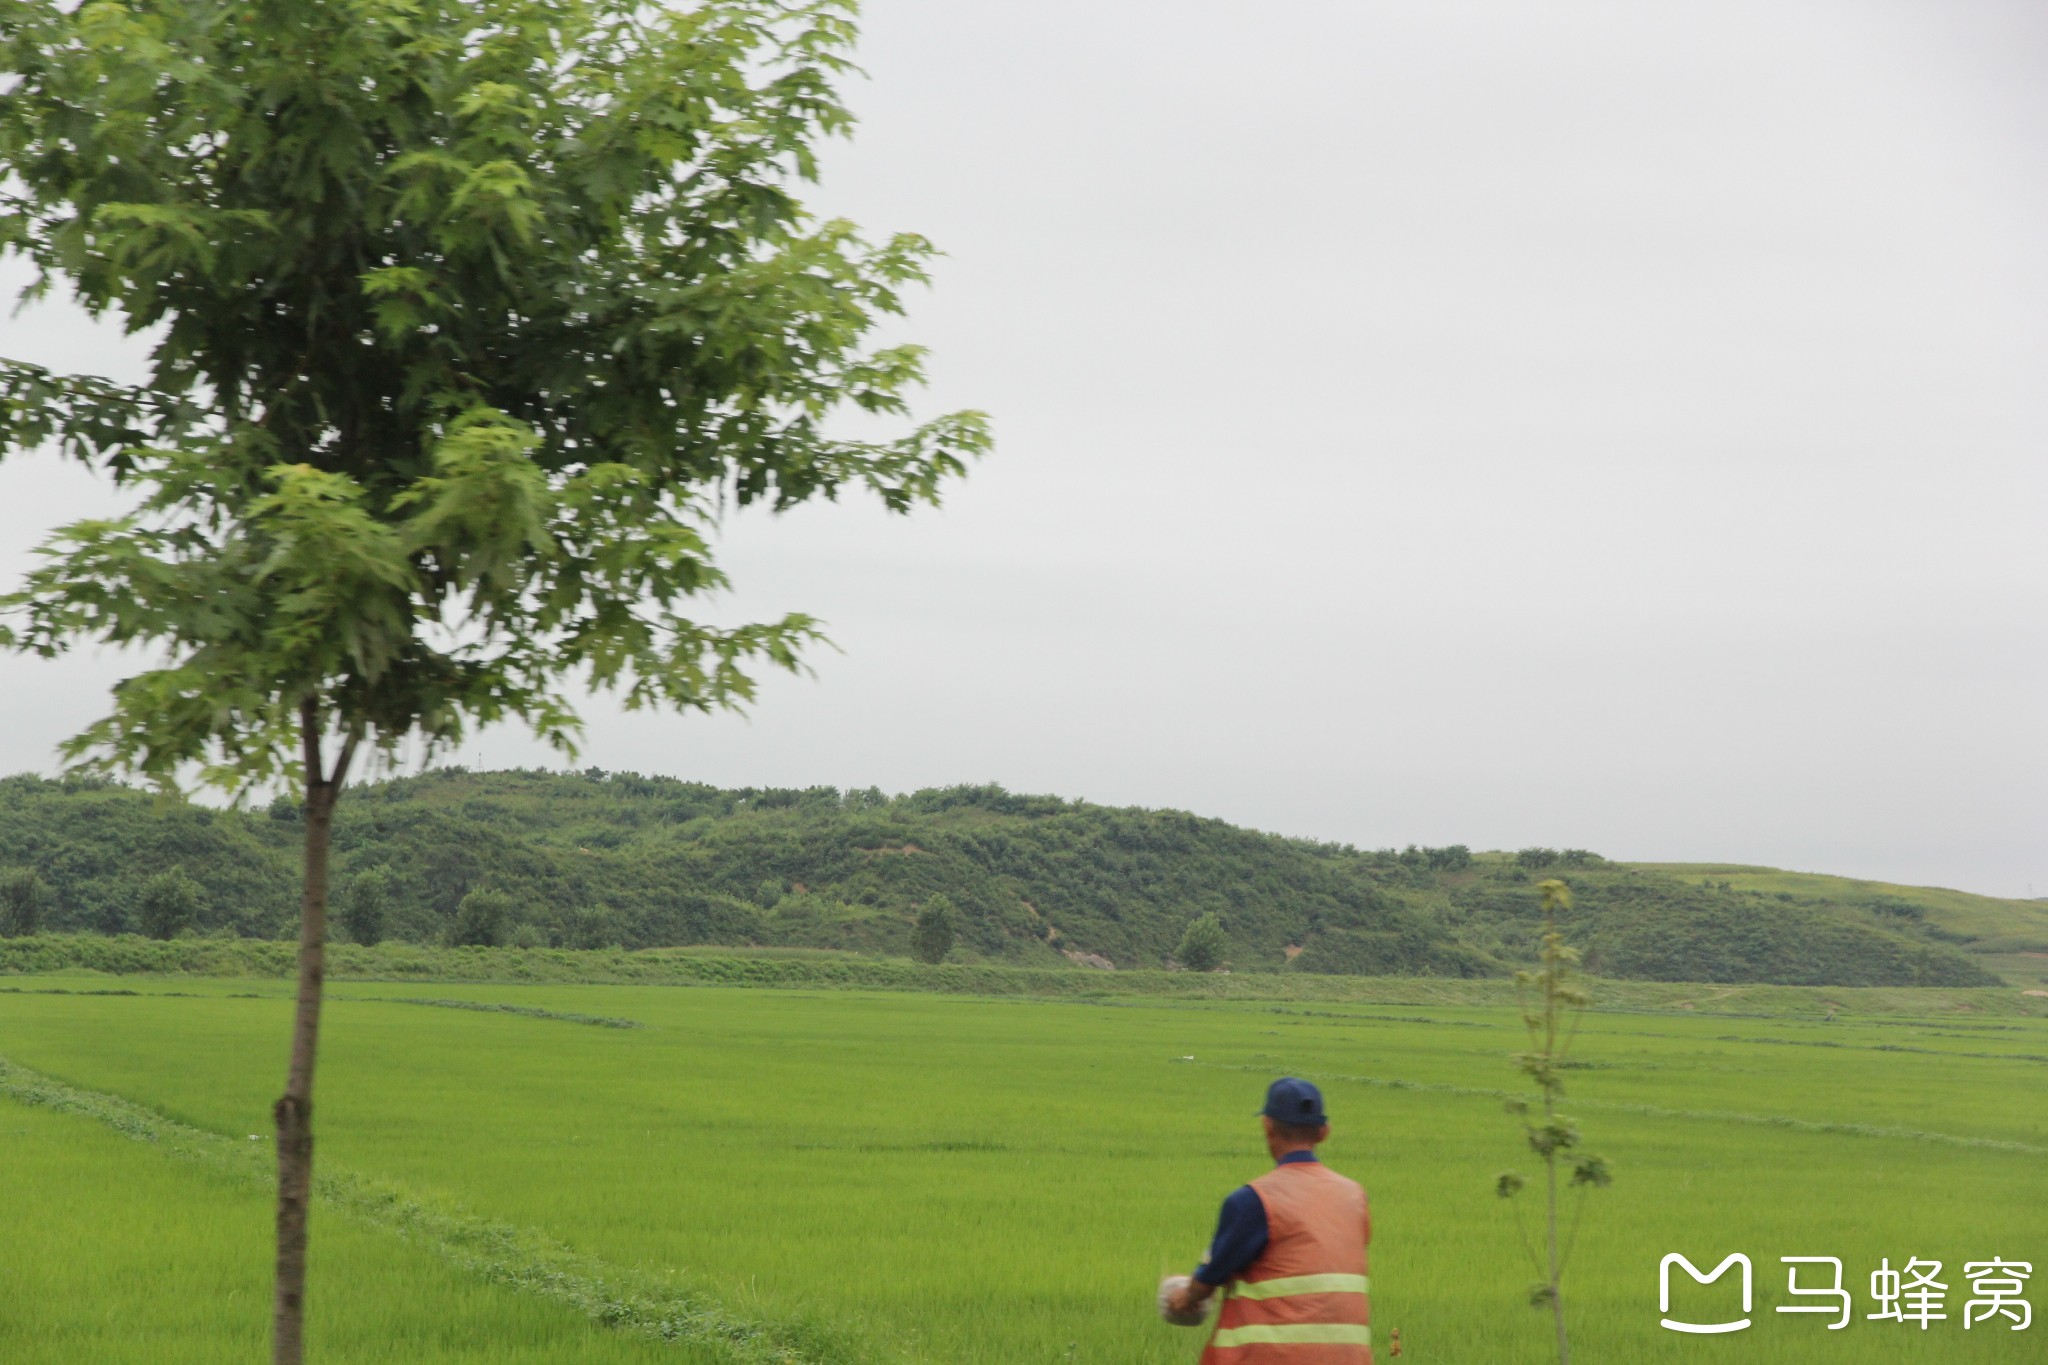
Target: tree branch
[86, 417]
[344, 758]
[309, 739]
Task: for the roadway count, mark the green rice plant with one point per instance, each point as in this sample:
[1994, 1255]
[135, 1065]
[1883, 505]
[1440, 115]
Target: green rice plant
[118, 1253]
[945, 1179]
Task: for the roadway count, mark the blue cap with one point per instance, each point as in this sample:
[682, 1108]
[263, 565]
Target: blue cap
[1293, 1100]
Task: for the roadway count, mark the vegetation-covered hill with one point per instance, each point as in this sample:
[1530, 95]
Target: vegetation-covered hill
[595, 859]
[2008, 937]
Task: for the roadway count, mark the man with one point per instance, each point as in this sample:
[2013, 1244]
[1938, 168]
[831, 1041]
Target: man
[1289, 1252]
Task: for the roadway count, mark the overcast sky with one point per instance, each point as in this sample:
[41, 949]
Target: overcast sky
[1596, 424]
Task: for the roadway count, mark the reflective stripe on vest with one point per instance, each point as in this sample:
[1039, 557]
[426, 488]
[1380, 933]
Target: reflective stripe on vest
[1304, 1300]
[1299, 1284]
[1294, 1334]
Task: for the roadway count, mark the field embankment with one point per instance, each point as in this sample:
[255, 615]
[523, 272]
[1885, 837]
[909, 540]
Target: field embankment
[130, 956]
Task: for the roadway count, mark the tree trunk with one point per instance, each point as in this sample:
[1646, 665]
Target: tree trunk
[294, 1109]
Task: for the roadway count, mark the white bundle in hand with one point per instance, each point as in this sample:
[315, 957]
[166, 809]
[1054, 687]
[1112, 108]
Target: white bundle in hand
[1168, 1288]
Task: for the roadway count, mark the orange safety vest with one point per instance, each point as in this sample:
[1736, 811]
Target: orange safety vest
[1304, 1301]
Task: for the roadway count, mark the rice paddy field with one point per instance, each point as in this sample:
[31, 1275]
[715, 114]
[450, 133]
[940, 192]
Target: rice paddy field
[704, 1174]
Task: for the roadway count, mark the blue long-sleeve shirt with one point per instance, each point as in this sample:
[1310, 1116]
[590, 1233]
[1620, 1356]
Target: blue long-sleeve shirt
[1240, 1231]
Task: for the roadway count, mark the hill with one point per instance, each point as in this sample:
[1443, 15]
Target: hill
[2009, 937]
[601, 859]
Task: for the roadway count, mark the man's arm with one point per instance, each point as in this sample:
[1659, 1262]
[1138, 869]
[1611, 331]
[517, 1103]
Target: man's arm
[1240, 1237]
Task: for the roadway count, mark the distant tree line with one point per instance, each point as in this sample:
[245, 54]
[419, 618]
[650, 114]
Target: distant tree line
[975, 873]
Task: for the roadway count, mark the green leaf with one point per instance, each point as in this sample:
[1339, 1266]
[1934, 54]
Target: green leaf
[466, 332]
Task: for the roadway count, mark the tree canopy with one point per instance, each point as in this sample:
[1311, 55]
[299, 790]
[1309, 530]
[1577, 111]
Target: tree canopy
[472, 316]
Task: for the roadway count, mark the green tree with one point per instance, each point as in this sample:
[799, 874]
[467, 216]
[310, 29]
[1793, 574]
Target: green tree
[469, 318]
[481, 919]
[169, 904]
[593, 926]
[22, 898]
[1450, 858]
[366, 906]
[931, 938]
[1553, 1004]
[1202, 945]
[113, 918]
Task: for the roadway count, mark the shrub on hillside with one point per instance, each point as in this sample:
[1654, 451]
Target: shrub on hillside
[692, 917]
[169, 904]
[1714, 940]
[593, 926]
[1406, 951]
[937, 926]
[1202, 945]
[22, 898]
[481, 919]
[366, 905]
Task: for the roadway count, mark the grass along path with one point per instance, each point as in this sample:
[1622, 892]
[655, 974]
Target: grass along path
[527, 1011]
[521, 1259]
[116, 1254]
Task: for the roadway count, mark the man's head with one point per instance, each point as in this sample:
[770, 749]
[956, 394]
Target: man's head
[1293, 1117]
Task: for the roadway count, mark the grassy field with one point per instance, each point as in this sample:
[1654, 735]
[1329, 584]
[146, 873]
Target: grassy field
[864, 1176]
[115, 1252]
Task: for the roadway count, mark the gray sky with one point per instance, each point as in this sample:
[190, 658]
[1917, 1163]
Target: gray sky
[1598, 424]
